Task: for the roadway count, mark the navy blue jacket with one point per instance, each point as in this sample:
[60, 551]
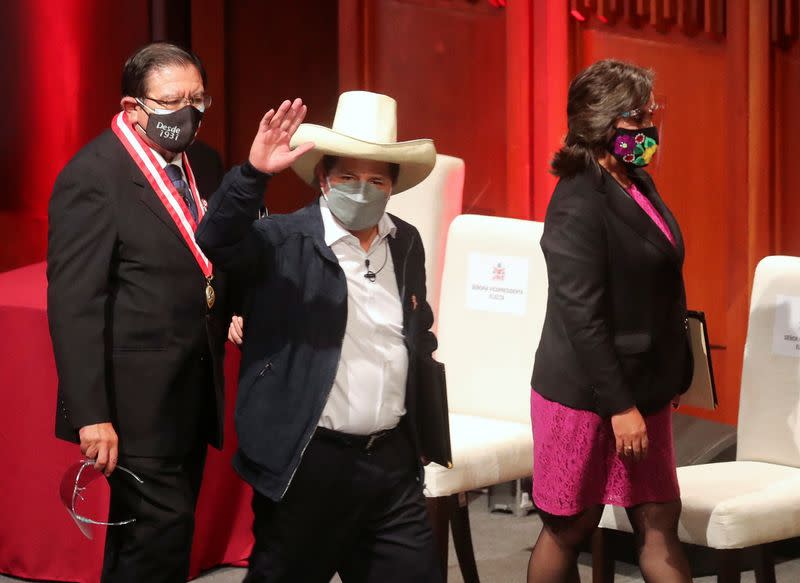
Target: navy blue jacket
[295, 315]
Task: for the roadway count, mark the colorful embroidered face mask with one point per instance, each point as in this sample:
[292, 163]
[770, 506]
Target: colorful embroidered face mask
[634, 148]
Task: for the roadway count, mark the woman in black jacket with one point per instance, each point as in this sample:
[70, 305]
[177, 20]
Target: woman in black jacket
[614, 355]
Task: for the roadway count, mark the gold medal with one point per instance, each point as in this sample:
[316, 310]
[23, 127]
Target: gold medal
[210, 295]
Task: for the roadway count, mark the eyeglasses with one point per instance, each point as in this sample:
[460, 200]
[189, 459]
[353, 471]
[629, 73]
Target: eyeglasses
[642, 115]
[201, 103]
[75, 482]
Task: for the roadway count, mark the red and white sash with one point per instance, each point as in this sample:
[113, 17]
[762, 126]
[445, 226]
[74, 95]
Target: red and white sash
[163, 187]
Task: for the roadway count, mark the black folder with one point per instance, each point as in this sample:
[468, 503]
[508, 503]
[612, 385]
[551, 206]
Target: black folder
[433, 417]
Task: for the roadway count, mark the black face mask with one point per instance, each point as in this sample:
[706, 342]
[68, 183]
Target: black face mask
[174, 131]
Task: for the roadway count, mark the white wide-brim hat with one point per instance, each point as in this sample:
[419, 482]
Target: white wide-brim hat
[365, 127]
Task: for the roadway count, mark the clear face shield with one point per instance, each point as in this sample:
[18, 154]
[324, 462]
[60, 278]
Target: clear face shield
[73, 490]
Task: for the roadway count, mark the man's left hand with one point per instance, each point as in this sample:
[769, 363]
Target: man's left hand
[236, 330]
[270, 151]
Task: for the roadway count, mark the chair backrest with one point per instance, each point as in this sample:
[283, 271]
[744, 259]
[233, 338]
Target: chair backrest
[494, 293]
[431, 206]
[769, 407]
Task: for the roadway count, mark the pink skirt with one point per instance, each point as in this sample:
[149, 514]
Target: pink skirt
[575, 461]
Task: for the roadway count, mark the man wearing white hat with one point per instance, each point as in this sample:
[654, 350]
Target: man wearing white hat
[337, 323]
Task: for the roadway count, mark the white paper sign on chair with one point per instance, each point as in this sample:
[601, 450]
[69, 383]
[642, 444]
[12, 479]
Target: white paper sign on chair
[497, 283]
[786, 330]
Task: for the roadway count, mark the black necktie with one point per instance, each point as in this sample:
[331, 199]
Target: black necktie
[176, 176]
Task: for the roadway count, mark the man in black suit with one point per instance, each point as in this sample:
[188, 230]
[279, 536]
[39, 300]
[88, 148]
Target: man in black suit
[136, 314]
[338, 338]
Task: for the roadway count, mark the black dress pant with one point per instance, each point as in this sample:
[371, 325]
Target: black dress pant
[359, 513]
[155, 548]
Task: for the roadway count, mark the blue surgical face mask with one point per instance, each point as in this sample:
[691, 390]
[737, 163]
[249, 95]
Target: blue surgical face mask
[357, 205]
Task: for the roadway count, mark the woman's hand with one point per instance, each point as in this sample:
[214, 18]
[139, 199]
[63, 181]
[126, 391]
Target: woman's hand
[630, 432]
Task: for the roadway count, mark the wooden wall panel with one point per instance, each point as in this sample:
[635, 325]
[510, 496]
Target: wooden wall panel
[274, 51]
[702, 121]
[520, 117]
[208, 40]
[784, 22]
[552, 67]
[445, 63]
[787, 169]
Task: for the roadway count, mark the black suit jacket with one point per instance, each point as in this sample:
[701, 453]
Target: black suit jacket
[614, 334]
[134, 341]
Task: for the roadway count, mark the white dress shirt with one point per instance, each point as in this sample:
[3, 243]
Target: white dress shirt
[369, 391]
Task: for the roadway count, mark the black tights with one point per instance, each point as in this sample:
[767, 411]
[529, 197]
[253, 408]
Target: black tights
[662, 559]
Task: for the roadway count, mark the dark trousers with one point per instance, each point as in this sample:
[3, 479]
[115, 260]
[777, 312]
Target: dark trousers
[359, 513]
[155, 548]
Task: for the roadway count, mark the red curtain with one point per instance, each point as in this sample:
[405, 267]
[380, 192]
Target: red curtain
[60, 62]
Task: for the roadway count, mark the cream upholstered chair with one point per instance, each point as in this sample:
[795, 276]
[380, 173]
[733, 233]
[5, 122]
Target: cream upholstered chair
[494, 291]
[431, 206]
[754, 500]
